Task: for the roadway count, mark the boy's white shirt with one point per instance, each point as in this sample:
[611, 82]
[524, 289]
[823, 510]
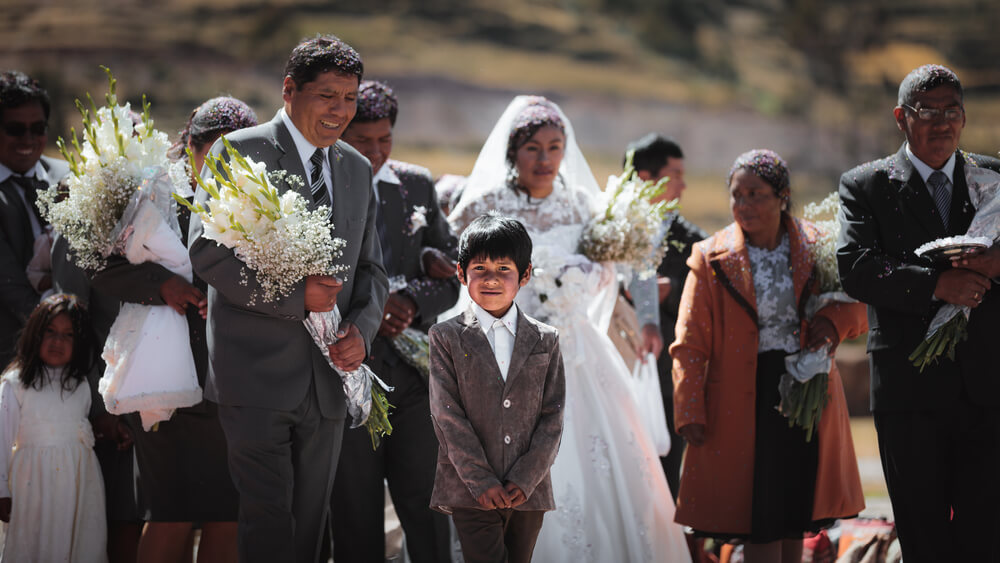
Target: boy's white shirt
[501, 341]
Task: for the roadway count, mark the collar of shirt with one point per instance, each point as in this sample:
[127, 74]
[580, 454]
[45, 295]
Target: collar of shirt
[306, 150]
[925, 171]
[486, 318]
[385, 174]
[37, 171]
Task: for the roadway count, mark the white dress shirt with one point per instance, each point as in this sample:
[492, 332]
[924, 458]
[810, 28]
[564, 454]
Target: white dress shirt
[306, 150]
[500, 333]
[925, 171]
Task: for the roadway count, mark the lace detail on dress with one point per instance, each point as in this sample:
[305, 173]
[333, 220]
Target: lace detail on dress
[569, 512]
[772, 283]
[599, 455]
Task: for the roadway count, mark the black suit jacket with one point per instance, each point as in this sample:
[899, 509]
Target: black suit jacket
[17, 296]
[886, 213]
[680, 238]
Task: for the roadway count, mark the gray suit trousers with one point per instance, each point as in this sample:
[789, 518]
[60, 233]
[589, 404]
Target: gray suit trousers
[282, 463]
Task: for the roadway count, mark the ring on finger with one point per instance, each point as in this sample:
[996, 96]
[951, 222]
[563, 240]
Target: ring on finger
[388, 316]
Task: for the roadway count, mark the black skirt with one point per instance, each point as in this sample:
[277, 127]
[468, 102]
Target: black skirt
[784, 469]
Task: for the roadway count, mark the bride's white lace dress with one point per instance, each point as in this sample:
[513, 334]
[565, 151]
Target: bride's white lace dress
[612, 500]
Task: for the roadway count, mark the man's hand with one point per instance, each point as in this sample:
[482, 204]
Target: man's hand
[400, 310]
[821, 331]
[693, 433]
[652, 341]
[5, 506]
[986, 262]
[321, 293]
[517, 497]
[437, 264]
[663, 287]
[959, 286]
[177, 293]
[494, 497]
[349, 351]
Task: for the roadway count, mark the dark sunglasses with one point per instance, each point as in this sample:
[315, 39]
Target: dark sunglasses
[18, 129]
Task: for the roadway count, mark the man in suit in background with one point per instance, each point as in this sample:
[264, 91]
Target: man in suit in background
[656, 300]
[939, 429]
[24, 125]
[412, 228]
[281, 406]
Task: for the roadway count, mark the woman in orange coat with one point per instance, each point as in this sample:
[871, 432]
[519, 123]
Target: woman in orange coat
[748, 475]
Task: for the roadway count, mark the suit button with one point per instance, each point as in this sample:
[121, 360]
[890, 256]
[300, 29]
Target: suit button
[506, 439]
[506, 403]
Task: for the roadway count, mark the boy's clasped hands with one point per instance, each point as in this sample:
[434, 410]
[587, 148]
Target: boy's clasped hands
[502, 496]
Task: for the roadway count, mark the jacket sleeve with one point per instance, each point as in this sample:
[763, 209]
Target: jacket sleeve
[534, 464]
[132, 283]
[692, 347]
[848, 318]
[454, 431]
[867, 272]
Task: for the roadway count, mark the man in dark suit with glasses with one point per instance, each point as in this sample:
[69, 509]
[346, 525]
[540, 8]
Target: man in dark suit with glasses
[24, 116]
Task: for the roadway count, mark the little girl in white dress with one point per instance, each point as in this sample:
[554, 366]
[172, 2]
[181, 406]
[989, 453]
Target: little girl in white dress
[51, 490]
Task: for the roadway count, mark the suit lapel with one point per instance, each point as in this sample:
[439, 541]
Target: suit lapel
[962, 210]
[731, 265]
[341, 189]
[290, 160]
[524, 342]
[474, 340]
[393, 206]
[914, 196]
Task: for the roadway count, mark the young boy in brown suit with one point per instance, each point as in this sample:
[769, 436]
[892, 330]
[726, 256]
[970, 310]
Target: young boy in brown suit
[496, 391]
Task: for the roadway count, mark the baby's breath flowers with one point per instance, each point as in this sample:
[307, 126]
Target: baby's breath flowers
[628, 230]
[283, 242]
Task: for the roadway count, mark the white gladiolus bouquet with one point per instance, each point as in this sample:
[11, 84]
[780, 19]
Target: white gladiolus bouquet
[119, 203]
[804, 387]
[283, 242]
[628, 230]
[105, 172]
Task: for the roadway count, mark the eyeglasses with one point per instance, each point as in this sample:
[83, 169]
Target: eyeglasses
[18, 129]
[930, 114]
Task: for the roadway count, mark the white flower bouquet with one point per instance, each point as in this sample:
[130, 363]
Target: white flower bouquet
[119, 203]
[950, 324]
[803, 387]
[628, 230]
[283, 242]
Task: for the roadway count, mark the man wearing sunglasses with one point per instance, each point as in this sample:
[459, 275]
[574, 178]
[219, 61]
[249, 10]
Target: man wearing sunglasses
[24, 115]
[939, 428]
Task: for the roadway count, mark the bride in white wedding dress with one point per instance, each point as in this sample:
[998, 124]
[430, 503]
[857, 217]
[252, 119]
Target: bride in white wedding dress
[612, 499]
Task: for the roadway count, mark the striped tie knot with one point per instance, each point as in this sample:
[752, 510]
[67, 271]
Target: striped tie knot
[938, 183]
[320, 194]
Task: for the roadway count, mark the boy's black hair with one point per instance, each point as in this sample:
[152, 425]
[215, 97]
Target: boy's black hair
[495, 236]
[652, 152]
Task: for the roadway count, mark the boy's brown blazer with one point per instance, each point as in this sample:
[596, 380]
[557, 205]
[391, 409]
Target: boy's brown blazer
[491, 431]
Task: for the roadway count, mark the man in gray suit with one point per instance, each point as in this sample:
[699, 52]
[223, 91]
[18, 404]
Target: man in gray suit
[280, 404]
[24, 123]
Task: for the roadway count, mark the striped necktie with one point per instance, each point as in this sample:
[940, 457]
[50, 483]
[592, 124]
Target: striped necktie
[938, 183]
[321, 196]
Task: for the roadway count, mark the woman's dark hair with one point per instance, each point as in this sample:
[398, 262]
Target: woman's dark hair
[319, 54]
[26, 358]
[17, 89]
[652, 152]
[495, 236]
[768, 166]
[210, 120]
[376, 101]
